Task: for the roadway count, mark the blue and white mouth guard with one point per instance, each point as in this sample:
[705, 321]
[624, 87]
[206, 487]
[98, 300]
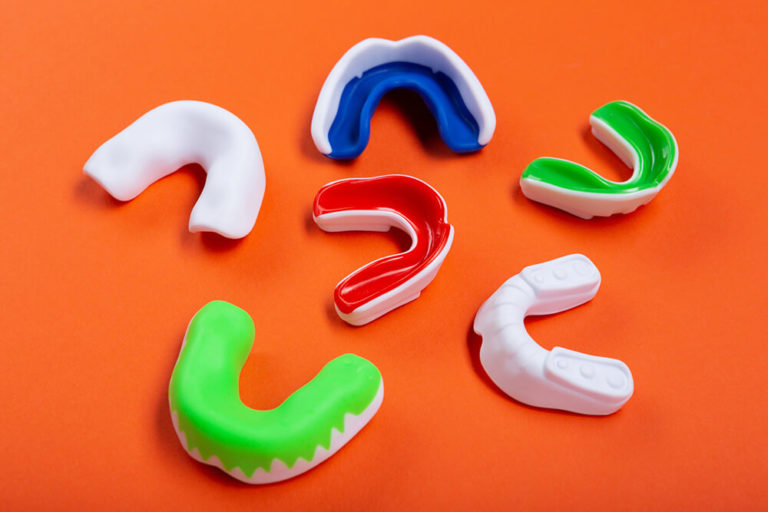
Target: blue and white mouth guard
[342, 118]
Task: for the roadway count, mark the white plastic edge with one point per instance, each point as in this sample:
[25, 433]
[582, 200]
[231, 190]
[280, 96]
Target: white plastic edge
[179, 133]
[279, 470]
[419, 49]
[585, 204]
[557, 379]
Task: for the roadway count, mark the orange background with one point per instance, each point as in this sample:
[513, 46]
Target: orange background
[97, 294]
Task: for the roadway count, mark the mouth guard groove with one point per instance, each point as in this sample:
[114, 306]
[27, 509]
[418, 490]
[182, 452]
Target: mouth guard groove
[254, 446]
[643, 144]
[342, 117]
[377, 204]
[556, 379]
[179, 133]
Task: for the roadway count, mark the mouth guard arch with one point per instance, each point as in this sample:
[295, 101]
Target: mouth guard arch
[179, 133]
[643, 144]
[342, 117]
[254, 446]
[556, 379]
[378, 204]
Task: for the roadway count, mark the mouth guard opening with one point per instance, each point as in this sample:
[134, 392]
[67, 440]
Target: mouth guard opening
[373, 67]
[560, 378]
[640, 142]
[255, 446]
[377, 204]
[179, 133]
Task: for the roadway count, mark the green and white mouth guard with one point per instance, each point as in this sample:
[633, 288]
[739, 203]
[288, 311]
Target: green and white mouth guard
[643, 144]
[254, 446]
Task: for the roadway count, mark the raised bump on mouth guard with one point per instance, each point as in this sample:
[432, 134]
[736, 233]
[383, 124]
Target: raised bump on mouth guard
[377, 204]
[255, 446]
[643, 144]
[373, 67]
[179, 133]
[556, 379]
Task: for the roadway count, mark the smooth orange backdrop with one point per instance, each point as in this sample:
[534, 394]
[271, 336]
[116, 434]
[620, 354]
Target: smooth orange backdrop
[97, 294]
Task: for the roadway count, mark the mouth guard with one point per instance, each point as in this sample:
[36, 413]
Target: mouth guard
[378, 204]
[253, 446]
[643, 144]
[179, 133]
[557, 379]
[342, 119]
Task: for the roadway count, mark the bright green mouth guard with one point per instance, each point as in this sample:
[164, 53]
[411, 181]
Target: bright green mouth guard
[643, 144]
[254, 446]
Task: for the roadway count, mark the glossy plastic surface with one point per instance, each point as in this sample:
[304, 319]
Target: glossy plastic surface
[377, 204]
[371, 68]
[255, 446]
[643, 144]
[351, 129]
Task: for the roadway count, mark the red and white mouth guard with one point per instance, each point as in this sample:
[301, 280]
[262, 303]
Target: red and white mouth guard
[378, 204]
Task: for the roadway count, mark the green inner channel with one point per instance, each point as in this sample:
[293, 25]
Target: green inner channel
[653, 143]
[204, 391]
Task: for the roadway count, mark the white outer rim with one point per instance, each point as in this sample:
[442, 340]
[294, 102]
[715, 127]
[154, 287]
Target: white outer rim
[382, 51]
[279, 471]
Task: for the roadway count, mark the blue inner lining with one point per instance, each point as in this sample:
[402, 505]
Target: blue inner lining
[351, 127]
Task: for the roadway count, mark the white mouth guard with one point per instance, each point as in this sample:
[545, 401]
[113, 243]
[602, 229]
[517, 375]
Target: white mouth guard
[180, 133]
[557, 379]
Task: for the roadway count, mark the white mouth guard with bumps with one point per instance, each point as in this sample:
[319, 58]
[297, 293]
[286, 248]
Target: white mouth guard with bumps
[556, 379]
[180, 133]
